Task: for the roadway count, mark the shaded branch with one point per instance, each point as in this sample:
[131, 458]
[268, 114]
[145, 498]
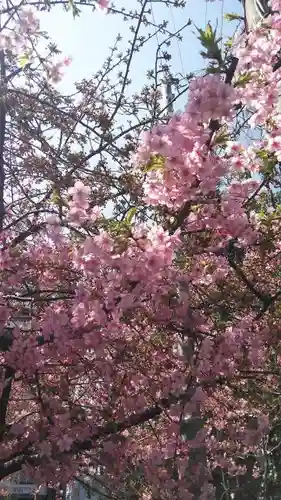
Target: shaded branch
[5, 397]
[2, 136]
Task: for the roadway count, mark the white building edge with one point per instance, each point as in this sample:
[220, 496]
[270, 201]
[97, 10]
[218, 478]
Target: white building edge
[17, 487]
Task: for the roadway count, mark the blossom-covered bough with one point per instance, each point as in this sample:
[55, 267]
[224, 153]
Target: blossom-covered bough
[150, 344]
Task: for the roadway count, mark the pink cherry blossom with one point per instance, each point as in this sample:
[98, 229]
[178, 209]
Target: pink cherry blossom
[103, 4]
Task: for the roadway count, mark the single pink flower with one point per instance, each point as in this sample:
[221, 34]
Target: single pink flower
[67, 61]
[103, 4]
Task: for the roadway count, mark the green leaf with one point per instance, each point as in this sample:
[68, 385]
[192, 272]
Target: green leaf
[207, 37]
[269, 161]
[229, 42]
[209, 33]
[156, 162]
[262, 154]
[231, 16]
[209, 41]
[221, 139]
[130, 215]
[56, 197]
[23, 61]
[269, 167]
[262, 214]
[75, 10]
[243, 80]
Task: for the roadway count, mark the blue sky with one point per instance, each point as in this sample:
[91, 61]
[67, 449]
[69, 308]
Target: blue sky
[88, 37]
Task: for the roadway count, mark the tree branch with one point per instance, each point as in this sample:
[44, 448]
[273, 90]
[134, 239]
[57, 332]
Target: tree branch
[4, 400]
[2, 136]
